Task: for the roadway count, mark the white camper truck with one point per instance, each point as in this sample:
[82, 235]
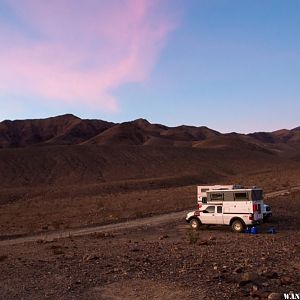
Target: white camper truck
[227, 205]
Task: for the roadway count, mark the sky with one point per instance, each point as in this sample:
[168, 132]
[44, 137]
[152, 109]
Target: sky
[231, 65]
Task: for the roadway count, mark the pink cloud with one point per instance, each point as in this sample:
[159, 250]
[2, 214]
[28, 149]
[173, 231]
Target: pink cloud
[78, 52]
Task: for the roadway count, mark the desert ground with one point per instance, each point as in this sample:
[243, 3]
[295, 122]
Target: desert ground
[165, 261]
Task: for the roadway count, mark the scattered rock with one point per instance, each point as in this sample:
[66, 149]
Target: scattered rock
[244, 284]
[88, 257]
[3, 258]
[162, 237]
[108, 234]
[218, 276]
[250, 276]
[285, 280]
[265, 284]
[258, 294]
[255, 288]
[224, 269]
[270, 274]
[274, 296]
[238, 270]
[245, 292]
[202, 243]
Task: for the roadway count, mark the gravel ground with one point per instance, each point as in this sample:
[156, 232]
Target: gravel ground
[160, 262]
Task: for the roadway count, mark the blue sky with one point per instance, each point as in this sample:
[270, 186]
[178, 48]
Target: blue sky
[229, 65]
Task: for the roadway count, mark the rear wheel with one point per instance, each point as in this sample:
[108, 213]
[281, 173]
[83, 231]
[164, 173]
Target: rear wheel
[195, 224]
[237, 226]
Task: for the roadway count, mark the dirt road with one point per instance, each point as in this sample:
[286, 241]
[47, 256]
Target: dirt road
[149, 221]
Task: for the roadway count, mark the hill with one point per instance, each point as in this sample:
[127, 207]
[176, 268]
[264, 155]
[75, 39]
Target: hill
[71, 130]
[67, 150]
[60, 130]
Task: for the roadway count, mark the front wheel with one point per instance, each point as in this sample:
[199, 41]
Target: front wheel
[237, 226]
[195, 224]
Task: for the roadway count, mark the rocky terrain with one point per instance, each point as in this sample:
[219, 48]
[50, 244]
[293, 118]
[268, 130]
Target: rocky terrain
[167, 261]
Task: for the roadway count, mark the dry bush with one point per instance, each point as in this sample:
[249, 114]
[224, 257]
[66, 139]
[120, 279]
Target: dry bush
[193, 236]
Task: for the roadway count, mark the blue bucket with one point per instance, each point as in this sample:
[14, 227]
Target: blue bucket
[253, 230]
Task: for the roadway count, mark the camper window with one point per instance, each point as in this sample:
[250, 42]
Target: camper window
[241, 196]
[217, 196]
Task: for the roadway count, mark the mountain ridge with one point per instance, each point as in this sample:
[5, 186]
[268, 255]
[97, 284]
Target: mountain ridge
[69, 129]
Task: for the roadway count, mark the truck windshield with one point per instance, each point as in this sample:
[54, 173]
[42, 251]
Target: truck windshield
[257, 195]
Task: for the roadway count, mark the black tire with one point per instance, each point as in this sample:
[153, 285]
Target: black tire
[195, 224]
[237, 226]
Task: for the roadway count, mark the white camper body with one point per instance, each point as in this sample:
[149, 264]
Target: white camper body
[202, 189]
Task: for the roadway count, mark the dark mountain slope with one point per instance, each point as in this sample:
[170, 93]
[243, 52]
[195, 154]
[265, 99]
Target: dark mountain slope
[84, 164]
[71, 130]
[66, 129]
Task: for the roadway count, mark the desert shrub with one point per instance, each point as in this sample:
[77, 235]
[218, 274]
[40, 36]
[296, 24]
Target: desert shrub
[139, 214]
[193, 236]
